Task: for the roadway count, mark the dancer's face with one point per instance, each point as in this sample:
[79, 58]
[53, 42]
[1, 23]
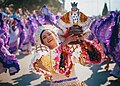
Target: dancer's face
[49, 39]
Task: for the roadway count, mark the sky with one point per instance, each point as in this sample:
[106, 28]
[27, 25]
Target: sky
[93, 7]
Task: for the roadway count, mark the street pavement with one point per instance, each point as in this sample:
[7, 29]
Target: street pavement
[93, 75]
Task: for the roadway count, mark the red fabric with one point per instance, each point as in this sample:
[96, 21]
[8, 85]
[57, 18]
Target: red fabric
[66, 34]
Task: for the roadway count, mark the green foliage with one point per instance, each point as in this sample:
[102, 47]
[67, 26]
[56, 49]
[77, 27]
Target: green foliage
[54, 5]
[40, 0]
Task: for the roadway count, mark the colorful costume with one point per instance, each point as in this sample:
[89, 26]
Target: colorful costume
[49, 18]
[89, 49]
[47, 15]
[13, 38]
[21, 35]
[56, 65]
[3, 26]
[66, 21]
[8, 60]
[107, 31]
[29, 39]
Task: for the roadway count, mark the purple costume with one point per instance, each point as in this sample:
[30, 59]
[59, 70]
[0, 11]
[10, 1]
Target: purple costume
[22, 33]
[8, 60]
[107, 31]
[13, 38]
[48, 16]
[30, 29]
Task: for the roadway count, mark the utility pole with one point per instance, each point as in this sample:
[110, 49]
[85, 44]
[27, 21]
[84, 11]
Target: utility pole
[109, 5]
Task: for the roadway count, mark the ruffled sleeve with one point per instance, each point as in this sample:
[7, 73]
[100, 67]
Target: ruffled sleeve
[8, 60]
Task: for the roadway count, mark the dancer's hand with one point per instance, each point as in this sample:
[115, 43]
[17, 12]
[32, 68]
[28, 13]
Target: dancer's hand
[69, 39]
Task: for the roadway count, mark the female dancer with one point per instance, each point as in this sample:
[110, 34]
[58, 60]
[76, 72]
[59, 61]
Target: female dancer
[56, 65]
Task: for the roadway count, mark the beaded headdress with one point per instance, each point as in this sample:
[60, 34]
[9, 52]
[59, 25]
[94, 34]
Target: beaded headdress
[40, 29]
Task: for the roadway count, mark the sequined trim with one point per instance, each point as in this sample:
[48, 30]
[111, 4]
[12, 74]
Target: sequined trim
[64, 80]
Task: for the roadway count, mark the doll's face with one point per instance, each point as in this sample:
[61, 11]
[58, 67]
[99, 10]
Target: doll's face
[74, 9]
[49, 38]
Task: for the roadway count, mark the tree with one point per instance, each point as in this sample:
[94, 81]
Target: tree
[54, 5]
[105, 10]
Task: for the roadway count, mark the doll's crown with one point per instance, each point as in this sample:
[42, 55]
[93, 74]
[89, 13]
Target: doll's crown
[74, 4]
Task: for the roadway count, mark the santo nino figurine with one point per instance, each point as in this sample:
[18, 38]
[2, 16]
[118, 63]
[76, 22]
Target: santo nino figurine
[73, 22]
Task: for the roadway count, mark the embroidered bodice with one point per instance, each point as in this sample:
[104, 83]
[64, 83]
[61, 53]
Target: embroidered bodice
[75, 18]
[51, 62]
